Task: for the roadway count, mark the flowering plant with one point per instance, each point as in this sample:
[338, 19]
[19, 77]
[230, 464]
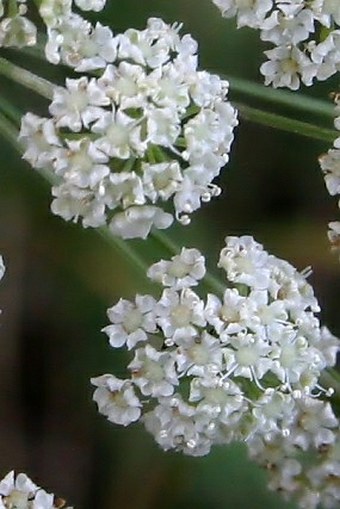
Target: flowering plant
[132, 132]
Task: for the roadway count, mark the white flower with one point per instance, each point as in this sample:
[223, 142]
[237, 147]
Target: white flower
[76, 43]
[116, 399]
[330, 165]
[293, 27]
[326, 55]
[289, 24]
[40, 139]
[273, 413]
[315, 425]
[18, 32]
[199, 355]
[247, 356]
[131, 321]
[95, 50]
[287, 66]
[184, 270]
[2, 267]
[72, 202]
[217, 398]
[226, 315]
[292, 356]
[124, 84]
[153, 372]
[203, 133]
[54, 11]
[119, 135]
[82, 163]
[19, 492]
[79, 104]
[161, 180]
[179, 314]
[241, 367]
[148, 112]
[173, 424]
[249, 13]
[91, 5]
[245, 261]
[138, 221]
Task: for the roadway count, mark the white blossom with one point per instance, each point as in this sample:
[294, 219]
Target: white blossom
[330, 166]
[148, 129]
[131, 321]
[302, 454]
[116, 399]
[78, 105]
[138, 221]
[249, 13]
[18, 491]
[153, 372]
[241, 366]
[287, 66]
[293, 27]
[18, 32]
[182, 271]
[2, 267]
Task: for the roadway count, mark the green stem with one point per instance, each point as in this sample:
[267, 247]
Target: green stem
[26, 78]
[10, 111]
[286, 124]
[281, 97]
[125, 248]
[9, 132]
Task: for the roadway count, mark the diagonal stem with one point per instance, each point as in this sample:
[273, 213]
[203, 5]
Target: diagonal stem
[26, 78]
[280, 97]
[285, 124]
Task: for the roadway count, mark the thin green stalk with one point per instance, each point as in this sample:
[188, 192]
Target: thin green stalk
[9, 110]
[282, 97]
[9, 132]
[26, 78]
[286, 124]
[125, 248]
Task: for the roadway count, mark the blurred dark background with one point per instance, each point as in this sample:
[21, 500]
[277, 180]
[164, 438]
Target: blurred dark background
[60, 279]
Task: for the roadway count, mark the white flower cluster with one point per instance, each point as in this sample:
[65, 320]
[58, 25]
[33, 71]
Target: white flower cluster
[151, 128]
[330, 165]
[16, 30]
[74, 41]
[305, 35]
[19, 492]
[224, 368]
[303, 465]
